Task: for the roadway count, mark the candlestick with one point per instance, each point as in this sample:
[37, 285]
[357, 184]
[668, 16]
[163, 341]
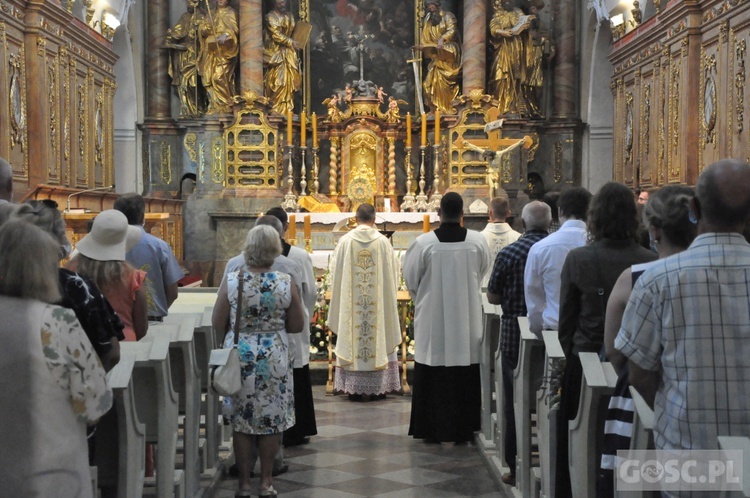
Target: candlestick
[408, 130]
[426, 223]
[435, 198]
[316, 183]
[421, 204]
[424, 130]
[407, 204]
[315, 129]
[303, 172]
[303, 128]
[292, 230]
[437, 126]
[307, 226]
[289, 127]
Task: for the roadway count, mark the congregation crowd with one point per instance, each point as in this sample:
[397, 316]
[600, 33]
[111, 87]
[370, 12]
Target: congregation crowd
[657, 284]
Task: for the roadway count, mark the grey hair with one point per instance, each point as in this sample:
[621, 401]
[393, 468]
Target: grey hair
[272, 222]
[262, 247]
[537, 215]
[28, 262]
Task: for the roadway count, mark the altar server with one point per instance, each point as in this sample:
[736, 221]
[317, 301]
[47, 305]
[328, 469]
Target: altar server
[443, 270]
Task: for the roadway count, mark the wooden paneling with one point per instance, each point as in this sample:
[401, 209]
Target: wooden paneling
[682, 77]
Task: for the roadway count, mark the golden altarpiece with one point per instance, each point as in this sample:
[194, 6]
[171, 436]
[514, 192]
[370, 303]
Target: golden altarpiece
[679, 87]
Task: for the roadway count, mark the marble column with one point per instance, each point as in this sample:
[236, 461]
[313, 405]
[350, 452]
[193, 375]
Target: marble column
[157, 64]
[564, 96]
[475, 45]
[251, 46]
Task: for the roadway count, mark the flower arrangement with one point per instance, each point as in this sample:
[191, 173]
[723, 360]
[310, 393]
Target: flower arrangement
[318, 329]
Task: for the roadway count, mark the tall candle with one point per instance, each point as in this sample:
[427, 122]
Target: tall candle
[426, 223]
[307, 227]
[437, 126]
[303, 129]
[315, 129]
[292, 230]
[408, 130]
[424, 130]
[289, 127]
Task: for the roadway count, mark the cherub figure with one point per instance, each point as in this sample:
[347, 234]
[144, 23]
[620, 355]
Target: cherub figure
[348, 92]
[334, 113]
[392, 116]
[381, 95]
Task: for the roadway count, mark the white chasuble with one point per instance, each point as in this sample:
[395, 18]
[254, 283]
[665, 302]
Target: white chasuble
[444, 280]
[364, 309]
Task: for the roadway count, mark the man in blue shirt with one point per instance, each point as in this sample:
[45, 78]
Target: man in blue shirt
[153, 256]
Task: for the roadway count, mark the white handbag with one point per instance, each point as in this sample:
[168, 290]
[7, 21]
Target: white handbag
[226, 370]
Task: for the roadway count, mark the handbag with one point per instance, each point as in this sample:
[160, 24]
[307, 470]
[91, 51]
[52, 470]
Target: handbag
[226, 371]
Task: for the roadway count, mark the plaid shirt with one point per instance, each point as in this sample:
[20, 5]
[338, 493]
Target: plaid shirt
[689, 316]
[507, 281]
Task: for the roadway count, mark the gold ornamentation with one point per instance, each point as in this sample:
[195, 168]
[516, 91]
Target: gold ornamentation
[82, 93]
[54, 164]
[17, 101]
[723, 31]
[99, 127]
[739, 84]
[628, 127]
[707, 100]
[361, 187]
[476, 99]
[333, 165]
[251, 151]
[41, 45]
[674, 125]
[557, 171]
[646, 121]
[304, 11]
[165, 154]
[217, 160]
[201, 161]
[391, 165]
[189, 143]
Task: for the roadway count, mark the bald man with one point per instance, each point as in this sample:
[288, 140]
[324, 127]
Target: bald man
[6, 181]
[686, 329]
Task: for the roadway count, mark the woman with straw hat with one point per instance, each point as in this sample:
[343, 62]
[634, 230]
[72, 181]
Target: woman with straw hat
[101, 257]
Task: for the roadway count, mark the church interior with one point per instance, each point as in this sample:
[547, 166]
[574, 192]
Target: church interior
[218, 110]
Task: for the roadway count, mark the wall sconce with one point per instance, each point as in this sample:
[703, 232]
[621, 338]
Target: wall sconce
[617, 25]
[109, 24]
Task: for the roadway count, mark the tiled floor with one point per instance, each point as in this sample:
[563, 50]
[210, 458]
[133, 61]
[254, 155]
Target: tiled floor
[362, 450]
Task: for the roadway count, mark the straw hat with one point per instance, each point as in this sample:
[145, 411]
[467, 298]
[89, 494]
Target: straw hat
[110, 237]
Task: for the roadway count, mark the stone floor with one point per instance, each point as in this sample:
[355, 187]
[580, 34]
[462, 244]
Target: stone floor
[362, 449]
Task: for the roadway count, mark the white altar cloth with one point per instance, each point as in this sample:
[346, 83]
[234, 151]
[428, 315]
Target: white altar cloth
[395, 218]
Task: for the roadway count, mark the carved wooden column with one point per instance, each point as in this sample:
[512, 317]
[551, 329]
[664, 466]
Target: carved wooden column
[157, 63]
[565, 86]
[251, 46]
[475, 45]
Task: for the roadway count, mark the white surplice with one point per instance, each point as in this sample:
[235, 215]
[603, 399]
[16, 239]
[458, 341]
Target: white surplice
[364, 311]
[444, 280]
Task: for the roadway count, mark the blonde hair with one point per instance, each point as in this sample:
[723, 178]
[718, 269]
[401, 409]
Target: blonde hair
[105, 274]
[262, 246]
[28, 262]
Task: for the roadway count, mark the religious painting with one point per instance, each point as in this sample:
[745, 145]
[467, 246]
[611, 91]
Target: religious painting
[360, 39]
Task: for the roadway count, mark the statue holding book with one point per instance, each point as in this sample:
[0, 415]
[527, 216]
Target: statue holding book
[439, 42]
[509, 32]
[282, 76]
[182, 42]
[219, 46]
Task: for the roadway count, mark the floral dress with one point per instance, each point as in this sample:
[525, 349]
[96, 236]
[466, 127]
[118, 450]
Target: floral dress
[265, 405]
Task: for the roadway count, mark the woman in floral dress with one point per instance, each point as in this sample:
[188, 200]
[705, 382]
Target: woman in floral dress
[270, 309]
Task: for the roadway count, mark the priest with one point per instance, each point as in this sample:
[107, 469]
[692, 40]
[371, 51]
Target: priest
[443, 270]
[364, 311]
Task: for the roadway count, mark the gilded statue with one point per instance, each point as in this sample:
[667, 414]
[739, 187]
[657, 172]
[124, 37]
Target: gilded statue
[283, 78]
[219, 45]
[508, 32]
[539, 48]
[182, 40]
[440, 30]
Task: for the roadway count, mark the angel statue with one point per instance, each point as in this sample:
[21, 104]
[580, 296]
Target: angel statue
[392, 115]
[334, 113]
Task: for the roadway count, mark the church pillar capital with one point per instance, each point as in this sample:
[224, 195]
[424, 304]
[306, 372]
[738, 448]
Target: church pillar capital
[475, 45]
[157, 98]
[251, 47]
[565, 81]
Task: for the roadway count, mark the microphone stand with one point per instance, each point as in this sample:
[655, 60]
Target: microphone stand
[97, 189]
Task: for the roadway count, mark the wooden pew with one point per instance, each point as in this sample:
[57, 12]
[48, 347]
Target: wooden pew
[186, 381]
[205, 341]
[597, 383]
[490, 337]
[546, 414]
[498, 464]
[157, 406]
[643, 439]
[121, 437]
[526, 380]
[741, 444]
